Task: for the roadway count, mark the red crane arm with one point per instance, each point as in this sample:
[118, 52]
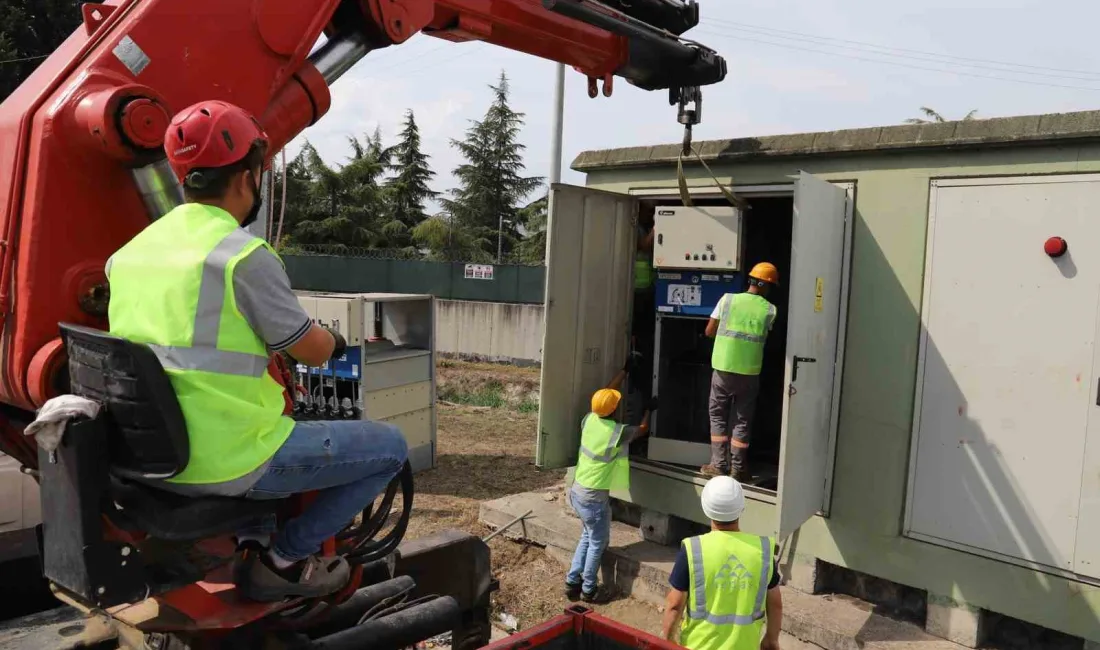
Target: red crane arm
[81, 165]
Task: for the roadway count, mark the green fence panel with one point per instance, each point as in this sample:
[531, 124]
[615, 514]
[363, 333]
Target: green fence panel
[531, 284]
[510, 283]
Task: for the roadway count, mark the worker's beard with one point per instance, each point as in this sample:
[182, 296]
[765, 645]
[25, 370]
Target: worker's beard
[254, 212]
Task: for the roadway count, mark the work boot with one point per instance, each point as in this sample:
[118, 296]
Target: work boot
[311, 577]
[740, 465]
[719, 460]
[599, 597]
[572, 592]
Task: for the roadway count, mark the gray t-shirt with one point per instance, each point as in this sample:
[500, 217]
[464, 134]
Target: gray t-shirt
[262, 291]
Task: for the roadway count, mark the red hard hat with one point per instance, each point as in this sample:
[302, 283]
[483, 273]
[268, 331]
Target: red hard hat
[208, 135]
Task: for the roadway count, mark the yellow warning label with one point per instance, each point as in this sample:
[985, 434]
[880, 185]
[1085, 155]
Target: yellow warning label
[818, 303]
[819, 292]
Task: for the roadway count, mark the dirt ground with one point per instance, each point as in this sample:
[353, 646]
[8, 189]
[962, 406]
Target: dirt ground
[486, 453]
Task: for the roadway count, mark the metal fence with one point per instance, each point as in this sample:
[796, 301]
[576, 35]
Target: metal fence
[361, 270]
[340, 250]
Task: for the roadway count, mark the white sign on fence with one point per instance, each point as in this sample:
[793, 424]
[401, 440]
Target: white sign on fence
[479, 272]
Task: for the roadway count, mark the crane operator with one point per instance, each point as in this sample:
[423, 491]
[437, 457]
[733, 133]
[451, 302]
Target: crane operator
[213, 302]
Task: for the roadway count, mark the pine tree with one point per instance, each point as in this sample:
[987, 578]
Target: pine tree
[491, 180]
[408, 189]
[534, 217]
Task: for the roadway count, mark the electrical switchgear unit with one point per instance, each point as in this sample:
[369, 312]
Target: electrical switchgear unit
[697, 253]
[387, 373]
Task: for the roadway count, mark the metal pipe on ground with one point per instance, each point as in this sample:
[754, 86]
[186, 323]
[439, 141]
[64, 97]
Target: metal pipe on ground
[348, 613]
[398, 630]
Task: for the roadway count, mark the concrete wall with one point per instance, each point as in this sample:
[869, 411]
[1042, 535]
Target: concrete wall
[863, 529]
[489, 331]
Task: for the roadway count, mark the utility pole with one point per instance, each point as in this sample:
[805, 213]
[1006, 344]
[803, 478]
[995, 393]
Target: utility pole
[559, 124]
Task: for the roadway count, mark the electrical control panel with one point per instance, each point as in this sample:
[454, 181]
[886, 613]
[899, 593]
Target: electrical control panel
[694, 293]
[387, 373]
[698, 238]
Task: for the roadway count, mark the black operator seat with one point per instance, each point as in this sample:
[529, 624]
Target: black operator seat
[147, 439]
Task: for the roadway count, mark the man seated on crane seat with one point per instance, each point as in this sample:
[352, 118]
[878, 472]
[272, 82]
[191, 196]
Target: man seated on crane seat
[213, 301]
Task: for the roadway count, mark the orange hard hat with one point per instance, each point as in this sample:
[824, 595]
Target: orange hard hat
[605, 401]
[765, 272]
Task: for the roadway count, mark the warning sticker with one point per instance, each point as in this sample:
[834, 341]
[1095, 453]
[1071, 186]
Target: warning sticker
[687, 295]
[131, 55]
[819, 293]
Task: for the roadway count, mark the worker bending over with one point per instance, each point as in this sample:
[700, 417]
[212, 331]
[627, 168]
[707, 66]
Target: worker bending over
[603, 465]
[739, 326]
[213, 301]
[727, 581]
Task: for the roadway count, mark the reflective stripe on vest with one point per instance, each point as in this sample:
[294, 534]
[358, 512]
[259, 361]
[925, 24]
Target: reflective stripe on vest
[730, 573]
[699, 589]
[742, 330]
[172, 289]
[203, 354]
[602, 464]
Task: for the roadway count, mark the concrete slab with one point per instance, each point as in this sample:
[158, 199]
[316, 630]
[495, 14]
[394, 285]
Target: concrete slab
[954, 621]
[640, 569]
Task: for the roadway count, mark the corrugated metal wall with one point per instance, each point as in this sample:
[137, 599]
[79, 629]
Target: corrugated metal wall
[510, 283]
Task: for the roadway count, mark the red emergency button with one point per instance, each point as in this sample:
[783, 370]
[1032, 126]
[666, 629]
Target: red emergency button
[1055, 247]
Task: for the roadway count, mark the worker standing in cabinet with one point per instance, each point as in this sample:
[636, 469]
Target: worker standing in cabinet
[739, 326]
[603, 465]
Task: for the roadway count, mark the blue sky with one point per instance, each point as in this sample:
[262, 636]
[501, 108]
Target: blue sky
[795, 65]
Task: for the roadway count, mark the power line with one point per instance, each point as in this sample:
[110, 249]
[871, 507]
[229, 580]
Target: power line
[26, 58]
[899, 63]
[469, 50]
[775, 32]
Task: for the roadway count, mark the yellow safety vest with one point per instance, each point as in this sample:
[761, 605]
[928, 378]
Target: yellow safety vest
[602, 464]
[742, 330]
[729, 574]
[643, 271]
[172, 288]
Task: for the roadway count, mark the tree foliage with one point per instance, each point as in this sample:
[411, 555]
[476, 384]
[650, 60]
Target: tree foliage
[29, 31]
[491, 181]
[408, 189]
[932, 116]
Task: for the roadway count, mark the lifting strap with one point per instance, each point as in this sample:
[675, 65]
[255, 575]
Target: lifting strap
[685, 196]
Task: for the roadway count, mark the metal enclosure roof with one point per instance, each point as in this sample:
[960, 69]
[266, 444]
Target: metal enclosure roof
[968, 134]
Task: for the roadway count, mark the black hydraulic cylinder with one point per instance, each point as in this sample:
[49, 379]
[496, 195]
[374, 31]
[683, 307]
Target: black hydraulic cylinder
[655, 60]
[347, 614]
[398, 630]
[671, 15]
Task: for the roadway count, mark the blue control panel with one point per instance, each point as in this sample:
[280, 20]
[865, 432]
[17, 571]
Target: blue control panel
[694, 293]
[348, 366]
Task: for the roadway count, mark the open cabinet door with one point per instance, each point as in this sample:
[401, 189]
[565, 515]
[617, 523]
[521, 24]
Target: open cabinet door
[817, 256]
[589, 285]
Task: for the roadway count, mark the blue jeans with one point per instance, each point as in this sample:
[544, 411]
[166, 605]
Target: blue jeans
[596, 517]
[349, 461]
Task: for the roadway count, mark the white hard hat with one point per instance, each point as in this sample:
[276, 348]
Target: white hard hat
[723, 499]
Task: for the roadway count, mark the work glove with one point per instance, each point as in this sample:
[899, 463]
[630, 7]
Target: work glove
[341, 343]
[651, 405]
